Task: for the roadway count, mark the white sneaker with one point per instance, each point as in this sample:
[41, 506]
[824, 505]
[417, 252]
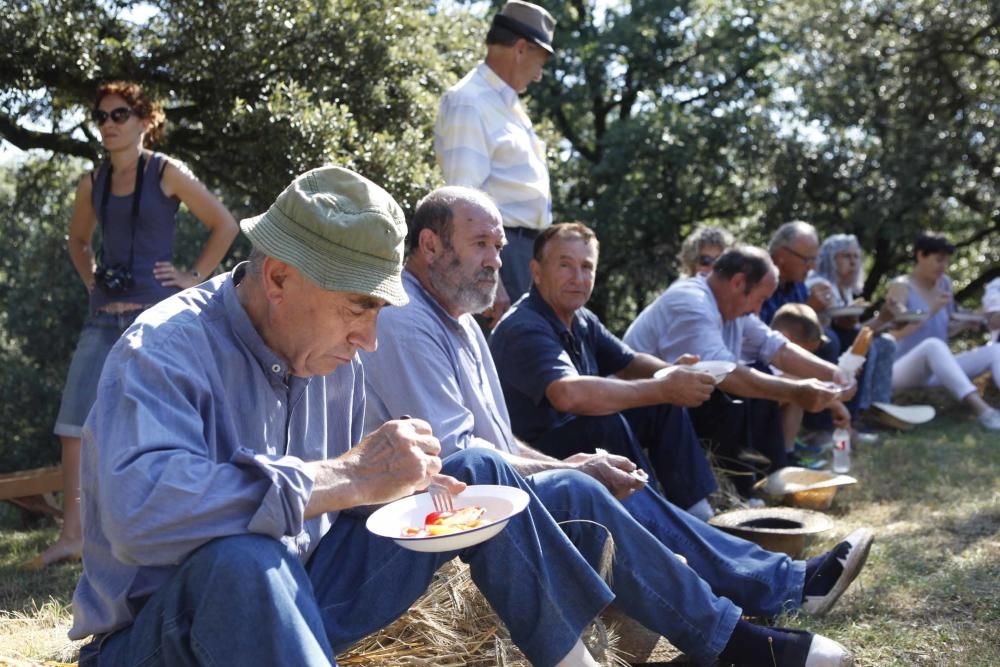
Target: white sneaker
[824, 652]
[861, 543]
[990, 419]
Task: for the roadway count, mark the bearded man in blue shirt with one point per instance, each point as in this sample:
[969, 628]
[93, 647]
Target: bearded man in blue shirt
[433, 362]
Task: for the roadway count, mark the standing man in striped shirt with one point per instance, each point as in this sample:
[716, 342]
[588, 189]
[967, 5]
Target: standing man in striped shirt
[484, 139]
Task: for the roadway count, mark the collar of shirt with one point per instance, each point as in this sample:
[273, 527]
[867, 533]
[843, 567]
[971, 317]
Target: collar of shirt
[415, 289]
[273, 366]
[572, 341]
[493, 80]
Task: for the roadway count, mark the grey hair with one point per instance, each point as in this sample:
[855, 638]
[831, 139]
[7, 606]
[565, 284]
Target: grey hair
[255, 261]
[436, 210]
[698, 239]
[788, 232]
[826, 263]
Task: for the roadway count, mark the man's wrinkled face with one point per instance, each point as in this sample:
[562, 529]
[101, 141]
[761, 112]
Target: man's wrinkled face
[317, 330]
[565, 276]
[465, 274]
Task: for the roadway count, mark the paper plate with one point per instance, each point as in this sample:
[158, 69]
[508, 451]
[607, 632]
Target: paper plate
[910, 414]
[846, 311]
[718, 369]
[968, 317]
[500, 502]
[911, 317]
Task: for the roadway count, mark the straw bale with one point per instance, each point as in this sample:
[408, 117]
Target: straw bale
[452, 624]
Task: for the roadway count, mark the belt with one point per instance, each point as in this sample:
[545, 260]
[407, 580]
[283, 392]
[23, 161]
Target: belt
[521, 231]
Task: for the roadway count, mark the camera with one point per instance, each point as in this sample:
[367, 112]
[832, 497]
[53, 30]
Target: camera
[114, 280]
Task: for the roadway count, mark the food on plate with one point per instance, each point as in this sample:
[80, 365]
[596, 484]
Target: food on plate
[862, 342]
[445, 523]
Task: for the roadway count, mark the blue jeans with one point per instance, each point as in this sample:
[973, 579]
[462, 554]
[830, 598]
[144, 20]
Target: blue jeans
[244, 600]
[100, 333]
[650, 583]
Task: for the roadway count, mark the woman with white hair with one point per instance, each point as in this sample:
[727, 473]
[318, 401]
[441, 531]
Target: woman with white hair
[839, 265]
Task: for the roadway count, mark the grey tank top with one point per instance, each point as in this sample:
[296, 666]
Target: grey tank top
[154, 235]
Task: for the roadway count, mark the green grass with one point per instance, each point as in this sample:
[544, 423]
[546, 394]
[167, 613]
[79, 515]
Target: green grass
[930, 594]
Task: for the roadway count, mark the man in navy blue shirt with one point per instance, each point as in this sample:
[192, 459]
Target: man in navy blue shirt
[572, 386]
[794, 249]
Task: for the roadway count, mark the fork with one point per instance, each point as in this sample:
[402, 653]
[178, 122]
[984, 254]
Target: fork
[441, 497]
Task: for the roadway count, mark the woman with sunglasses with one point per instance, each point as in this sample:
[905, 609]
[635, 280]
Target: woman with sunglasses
[701, 248]
[923, 357]
[133, 196]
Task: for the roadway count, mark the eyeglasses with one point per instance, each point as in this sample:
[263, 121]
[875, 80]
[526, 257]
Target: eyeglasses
[706, 260]
[119, 115]
[804, 258]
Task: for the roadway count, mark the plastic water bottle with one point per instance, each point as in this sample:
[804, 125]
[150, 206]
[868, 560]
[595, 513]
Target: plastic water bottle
[841, 450]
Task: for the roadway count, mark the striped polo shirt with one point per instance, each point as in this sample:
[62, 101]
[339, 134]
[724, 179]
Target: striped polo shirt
[484, 139]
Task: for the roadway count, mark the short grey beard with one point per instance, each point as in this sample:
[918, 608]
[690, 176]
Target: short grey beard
[464, 298]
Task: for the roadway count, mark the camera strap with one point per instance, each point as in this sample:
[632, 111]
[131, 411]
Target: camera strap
[140, 169]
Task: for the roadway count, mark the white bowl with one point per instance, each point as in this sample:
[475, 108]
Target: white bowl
[718, 369]
[500, 502]
[846, 311]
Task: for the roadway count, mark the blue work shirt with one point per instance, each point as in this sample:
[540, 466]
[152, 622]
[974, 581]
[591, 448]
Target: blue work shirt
[532, 349]
[686, 319]
[790, 292]
[199, 432]
[438, 368]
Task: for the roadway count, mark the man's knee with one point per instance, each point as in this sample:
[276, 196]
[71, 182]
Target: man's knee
[568, 488]
[479, 465]
[240, 556]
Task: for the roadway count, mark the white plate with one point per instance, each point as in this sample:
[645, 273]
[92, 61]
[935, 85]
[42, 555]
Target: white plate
[846, 311]
[909, 318]
[718, 369]
[911, 414]
[968, 317]
[500, 502]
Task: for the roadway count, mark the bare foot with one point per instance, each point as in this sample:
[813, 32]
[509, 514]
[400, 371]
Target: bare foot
[64, 548]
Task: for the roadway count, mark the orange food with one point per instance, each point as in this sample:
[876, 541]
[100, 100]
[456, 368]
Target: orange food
[445, 523]
[862, 342]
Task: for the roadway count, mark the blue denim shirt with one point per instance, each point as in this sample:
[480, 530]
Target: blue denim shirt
[686, 320]
[789, 292]
[435, 367]
[199, 432]
[532, 349]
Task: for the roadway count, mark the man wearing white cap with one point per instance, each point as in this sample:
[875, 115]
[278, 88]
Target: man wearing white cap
[225, 450]
[484, 139]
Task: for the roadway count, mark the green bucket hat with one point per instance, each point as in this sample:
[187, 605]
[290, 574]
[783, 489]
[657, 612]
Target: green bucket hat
[338, 228]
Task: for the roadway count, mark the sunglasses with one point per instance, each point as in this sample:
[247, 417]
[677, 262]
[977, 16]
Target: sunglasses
[706, 260]
[118, 115]
[805, 258]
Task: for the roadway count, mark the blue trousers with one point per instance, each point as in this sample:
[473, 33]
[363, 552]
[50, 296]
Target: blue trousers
[675, 457]
[695, 606]
[245, 600]
[538, 584]
[516, 257]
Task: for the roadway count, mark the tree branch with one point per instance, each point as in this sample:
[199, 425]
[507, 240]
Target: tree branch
[51, 141]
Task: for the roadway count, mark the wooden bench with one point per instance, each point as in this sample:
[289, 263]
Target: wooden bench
[33, 489]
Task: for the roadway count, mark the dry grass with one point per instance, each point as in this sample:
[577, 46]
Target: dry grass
[928, 596]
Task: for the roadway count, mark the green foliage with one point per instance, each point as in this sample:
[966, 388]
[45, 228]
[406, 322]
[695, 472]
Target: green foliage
[43, 307]
[906, 96]
[255, 93]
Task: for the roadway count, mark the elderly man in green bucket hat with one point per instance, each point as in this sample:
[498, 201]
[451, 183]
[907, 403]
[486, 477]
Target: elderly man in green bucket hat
[225, 452]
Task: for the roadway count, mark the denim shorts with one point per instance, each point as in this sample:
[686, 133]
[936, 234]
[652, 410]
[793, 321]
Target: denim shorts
[100, 332]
